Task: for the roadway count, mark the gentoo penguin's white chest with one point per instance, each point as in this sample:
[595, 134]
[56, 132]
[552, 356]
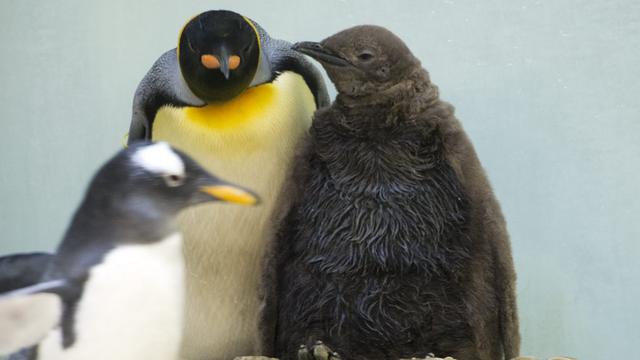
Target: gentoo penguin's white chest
[131, 307]
[249, 140]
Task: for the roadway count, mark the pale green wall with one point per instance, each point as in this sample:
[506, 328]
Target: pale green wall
[547, 90]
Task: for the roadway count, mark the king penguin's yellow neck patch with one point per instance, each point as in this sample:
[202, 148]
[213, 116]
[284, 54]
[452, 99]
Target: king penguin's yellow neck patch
[246, 107]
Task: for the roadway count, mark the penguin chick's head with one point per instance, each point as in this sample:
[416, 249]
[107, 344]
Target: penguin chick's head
[362, 60]
[219, 53]
[156, 180]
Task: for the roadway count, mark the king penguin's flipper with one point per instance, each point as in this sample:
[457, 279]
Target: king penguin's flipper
[27, 315]
[289, 60]
[280, 57]
[163, 85]
[22, 270]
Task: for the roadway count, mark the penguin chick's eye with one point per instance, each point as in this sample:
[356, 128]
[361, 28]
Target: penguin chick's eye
[173, 180]
[365, 56]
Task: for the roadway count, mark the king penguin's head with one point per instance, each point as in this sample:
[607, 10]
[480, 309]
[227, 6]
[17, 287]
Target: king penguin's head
[155, 180]
[219, 54]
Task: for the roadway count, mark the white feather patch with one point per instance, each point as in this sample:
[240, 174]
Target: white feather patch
[131, 308]
[159, 158]
[27, 319]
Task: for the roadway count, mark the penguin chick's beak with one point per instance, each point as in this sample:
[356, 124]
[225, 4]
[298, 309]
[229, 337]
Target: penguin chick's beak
[320, 53]
[231, 193]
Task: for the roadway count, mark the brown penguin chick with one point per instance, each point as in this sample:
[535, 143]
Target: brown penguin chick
[394, 245]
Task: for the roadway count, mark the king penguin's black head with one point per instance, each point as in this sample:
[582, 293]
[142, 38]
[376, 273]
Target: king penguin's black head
[219, 54]
[362, 60]
[156, 180]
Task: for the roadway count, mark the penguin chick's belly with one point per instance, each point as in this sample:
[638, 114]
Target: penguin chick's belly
[131, 307]
[249, 140]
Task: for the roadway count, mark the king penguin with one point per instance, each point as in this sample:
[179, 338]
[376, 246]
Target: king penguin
[115, 287]
[236, 100]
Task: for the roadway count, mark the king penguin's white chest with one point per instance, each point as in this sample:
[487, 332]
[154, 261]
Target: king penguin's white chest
[249, 140]
[132, 307]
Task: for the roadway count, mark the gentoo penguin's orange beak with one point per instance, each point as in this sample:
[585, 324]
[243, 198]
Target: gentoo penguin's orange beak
[231, 193]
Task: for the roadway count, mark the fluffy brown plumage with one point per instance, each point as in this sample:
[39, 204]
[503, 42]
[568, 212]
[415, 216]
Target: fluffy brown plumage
[393, 243]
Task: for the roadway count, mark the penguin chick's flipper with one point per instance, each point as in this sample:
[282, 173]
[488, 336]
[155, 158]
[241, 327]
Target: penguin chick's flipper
[319, 351]
[163, 85]
[22, 270]
[28, 314]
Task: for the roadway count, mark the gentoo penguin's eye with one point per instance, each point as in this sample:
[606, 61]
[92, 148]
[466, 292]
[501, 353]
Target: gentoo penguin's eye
[173, 180]
[365, 56]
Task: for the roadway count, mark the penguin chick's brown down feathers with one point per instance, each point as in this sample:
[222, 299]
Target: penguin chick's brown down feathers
[395, 246]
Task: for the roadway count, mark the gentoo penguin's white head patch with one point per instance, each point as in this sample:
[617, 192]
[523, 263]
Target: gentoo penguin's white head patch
[159, 158]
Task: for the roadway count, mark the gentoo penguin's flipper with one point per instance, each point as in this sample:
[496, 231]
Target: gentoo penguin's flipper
[24, 354]
[22, 270]
[28, 314]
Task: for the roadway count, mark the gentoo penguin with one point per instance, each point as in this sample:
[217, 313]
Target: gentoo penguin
[395, 246]
[115, 286]
[237, 101]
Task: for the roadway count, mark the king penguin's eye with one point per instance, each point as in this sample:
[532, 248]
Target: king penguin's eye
[365, 56]
[173, 180]
[191, 46]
